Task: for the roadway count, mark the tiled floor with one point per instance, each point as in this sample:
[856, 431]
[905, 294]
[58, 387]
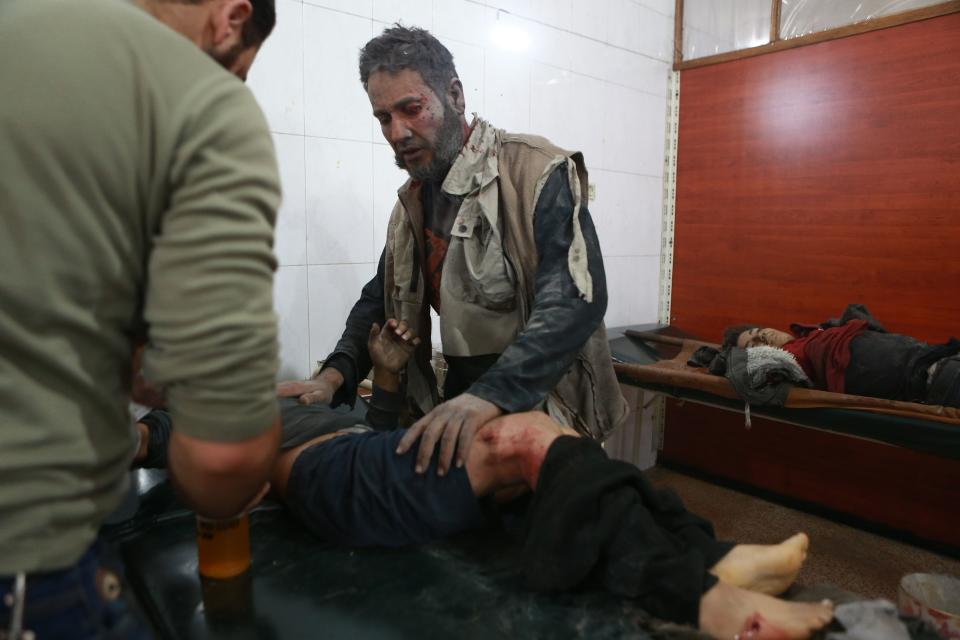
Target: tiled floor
[841, 556]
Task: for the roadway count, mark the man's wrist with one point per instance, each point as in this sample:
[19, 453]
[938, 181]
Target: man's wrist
[481, 391]
[331, 376]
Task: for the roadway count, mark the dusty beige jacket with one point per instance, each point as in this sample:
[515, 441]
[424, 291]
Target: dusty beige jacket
[487, 283]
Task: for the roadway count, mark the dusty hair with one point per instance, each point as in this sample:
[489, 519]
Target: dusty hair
[400, 47]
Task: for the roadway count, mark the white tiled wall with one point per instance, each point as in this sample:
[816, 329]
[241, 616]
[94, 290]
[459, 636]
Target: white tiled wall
[588, 75]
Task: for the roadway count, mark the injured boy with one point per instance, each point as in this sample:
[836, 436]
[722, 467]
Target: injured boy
[855, 354]
[588, 516]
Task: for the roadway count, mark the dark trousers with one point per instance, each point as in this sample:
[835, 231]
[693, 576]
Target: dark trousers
[944, 389]
[356, 491]
[596, 519]
[68, 605]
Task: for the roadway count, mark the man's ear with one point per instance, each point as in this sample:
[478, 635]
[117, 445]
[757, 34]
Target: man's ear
[229, 18]
[455, 95]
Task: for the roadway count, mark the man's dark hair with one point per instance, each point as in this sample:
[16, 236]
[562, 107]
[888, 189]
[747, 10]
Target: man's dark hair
[258, 26]
[260, 23]
[399, 48]
[731, 333]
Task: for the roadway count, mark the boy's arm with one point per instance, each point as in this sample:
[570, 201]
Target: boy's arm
[390, 348]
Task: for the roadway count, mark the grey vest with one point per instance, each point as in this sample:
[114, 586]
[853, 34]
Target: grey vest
[487, 283]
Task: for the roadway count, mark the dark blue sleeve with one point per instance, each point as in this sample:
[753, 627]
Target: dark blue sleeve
[561, 321]
[350, 357]
[385, 408]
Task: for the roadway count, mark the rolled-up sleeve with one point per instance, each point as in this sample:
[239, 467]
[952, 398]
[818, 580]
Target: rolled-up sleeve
[212, 332]
[350, 357]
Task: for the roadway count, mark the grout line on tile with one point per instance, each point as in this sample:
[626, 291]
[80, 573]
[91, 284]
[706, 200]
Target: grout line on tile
[575, 33]
[306, 211]
[346, 13]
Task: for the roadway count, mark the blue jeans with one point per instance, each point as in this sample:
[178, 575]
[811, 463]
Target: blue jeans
[67, 604]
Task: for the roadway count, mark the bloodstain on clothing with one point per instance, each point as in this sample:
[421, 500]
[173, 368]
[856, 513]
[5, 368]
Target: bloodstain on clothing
[439, 211]
[435, 247]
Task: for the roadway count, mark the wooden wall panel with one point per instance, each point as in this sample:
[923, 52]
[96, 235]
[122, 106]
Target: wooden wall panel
[808, 179]
[910, 492]
[823, 175]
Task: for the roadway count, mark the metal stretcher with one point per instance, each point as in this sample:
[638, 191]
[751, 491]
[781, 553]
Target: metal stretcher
[657, 361]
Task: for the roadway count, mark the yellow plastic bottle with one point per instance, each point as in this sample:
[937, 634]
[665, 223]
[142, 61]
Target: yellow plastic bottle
[223, 546]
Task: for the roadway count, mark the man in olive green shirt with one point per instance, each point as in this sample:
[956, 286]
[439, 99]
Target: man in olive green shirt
[138, 193]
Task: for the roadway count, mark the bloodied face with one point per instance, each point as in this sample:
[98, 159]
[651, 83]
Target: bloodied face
[425, 131]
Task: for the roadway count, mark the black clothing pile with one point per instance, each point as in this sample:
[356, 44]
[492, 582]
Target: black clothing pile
[595, 520]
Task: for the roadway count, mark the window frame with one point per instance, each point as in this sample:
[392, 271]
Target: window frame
[778, 44]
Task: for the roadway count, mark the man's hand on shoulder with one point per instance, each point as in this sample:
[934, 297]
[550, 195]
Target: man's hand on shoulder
[454, 424]
[318, 390]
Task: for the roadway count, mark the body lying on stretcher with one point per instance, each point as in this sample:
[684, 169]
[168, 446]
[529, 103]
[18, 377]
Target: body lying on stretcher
[923, 379]
[589, 518]
[852, 355]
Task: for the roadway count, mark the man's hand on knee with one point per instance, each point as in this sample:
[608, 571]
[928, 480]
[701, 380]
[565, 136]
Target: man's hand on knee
[454, 424]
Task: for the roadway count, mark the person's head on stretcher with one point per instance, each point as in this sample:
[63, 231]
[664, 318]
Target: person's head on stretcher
[748, 335]
[853, 356]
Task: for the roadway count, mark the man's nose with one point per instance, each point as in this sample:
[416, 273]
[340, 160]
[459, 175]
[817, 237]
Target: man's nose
[398, 131]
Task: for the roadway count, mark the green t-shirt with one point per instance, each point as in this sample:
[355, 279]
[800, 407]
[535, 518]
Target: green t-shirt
[138, 194]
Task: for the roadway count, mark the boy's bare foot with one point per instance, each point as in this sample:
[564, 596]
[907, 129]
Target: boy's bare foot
[765, 568]
[730, 612]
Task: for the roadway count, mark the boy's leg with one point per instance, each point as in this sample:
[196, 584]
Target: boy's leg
[592, 516]
[505, 457]
[356, 490]
[508, 452]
